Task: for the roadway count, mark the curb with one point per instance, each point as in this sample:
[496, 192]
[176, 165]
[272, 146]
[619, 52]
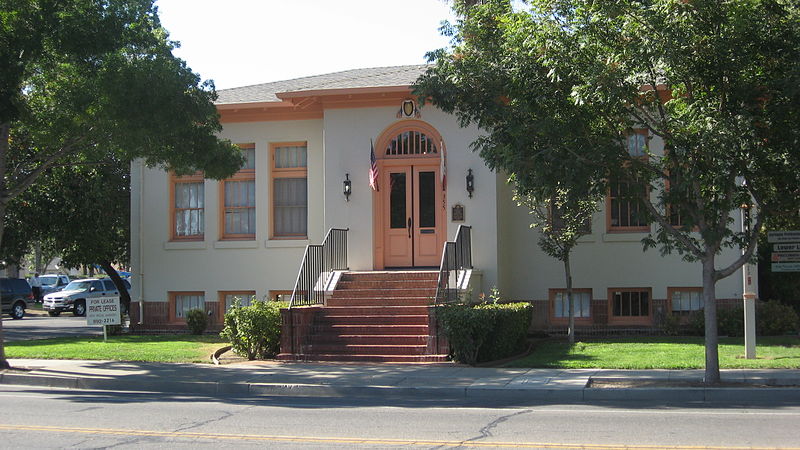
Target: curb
[515, 396]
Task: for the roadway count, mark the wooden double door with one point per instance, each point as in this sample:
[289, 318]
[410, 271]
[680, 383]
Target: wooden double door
[412, 214]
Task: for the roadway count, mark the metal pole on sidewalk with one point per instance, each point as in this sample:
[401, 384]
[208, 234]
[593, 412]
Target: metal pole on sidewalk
[748, 296]
[105, 333]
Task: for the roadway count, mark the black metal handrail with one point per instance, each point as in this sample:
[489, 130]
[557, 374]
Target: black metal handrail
[456, 255]
[319, 258]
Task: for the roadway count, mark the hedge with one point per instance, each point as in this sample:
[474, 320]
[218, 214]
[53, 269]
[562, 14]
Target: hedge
[254, 331]
[484, 332]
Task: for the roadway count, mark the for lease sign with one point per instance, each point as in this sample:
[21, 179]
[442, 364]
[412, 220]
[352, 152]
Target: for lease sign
[102, 311]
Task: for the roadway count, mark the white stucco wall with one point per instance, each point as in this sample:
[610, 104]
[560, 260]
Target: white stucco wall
[212, 265]
[600, 261]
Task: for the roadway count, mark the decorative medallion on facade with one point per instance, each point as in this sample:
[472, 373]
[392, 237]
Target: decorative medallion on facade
[408, 110]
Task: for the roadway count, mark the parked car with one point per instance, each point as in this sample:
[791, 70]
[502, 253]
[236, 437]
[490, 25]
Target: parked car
[73, 296]
[53, 283]
[16, 296]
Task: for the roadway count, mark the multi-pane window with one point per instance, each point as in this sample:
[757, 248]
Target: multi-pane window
[581, 303]
[686, 300]
[625, 209]
[227, 298]
[289, 190]
[630, 303]
[637, 144]
[188, 204]
[186, 301]
[239, 199]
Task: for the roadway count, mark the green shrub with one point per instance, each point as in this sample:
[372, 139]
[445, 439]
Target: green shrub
[254, 331]
[774, 318]
[671, 326]
[485, 332]
[197, 320]
[730, 321]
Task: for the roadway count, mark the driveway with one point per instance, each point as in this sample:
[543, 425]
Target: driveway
[42, 326]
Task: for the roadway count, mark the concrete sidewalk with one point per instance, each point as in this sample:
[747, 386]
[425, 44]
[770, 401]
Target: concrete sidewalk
[444, 381]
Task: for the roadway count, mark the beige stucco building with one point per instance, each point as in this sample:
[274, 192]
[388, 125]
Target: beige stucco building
[198, 243]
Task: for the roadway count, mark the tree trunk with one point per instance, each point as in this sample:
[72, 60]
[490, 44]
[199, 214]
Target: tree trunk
[710, 311]
[570, 302]
[124, 295]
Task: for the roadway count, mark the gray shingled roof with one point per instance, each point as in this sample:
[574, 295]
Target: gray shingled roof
[349, 79]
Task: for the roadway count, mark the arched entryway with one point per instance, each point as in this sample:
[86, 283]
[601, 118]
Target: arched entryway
[409, 206]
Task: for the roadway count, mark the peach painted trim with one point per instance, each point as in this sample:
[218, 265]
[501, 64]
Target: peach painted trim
[221, 297]
[242, 175]
[173, 307]
[379, 199]
[630, 320]
[562, 320]
[310, 105]
[298, 172]
[174, 179]
[380, 206]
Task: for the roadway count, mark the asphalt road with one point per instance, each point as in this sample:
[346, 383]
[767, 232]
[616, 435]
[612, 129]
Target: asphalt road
[42, 418]
[43, 326]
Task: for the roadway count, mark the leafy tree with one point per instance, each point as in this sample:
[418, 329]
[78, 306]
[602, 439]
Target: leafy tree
[559, 86]
[562, 220]
[84, 79]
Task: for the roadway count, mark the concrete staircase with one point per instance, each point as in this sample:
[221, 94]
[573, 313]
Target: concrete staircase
[376, 317]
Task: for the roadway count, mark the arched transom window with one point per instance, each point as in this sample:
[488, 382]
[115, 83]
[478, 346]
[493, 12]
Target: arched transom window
[411, 142]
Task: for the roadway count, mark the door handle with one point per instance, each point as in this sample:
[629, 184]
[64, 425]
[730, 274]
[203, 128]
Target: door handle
[409, 227]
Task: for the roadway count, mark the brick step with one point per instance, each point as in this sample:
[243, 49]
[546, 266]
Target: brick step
[366, 319]
[370, 340]
[388, 276]
[388, 292]
[379, 302]
[408, 359]
[332, 311]
[379, 330]
[354, 349]
[385, 285]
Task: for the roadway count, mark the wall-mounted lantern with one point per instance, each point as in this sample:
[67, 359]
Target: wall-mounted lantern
[347, 186]
[470, 182]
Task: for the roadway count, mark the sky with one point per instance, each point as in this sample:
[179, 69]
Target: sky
[245, 42]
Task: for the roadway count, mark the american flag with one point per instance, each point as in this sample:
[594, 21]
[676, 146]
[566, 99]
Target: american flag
[373, 168]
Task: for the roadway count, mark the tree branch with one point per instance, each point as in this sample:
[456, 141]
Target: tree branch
[746, 256]
[680, 237]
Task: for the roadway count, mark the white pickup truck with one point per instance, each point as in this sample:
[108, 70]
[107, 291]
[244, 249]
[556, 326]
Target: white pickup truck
[73, 296]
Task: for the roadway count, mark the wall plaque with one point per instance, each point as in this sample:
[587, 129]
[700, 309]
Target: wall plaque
[458, 213]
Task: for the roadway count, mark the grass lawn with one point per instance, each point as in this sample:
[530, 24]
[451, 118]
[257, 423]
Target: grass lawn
[167, 348]
[661, 353]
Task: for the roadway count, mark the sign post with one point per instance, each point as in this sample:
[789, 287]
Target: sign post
[103, 311]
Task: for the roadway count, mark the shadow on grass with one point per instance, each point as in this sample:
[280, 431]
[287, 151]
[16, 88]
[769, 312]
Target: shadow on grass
[645, 352]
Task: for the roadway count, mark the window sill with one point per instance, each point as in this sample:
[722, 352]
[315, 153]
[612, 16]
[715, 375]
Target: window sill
[236, 244]
[286, 243]
[625, 236]
[185, 245]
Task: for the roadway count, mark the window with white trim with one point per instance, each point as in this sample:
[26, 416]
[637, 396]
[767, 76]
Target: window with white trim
[188, 301]
[239, 199]
[289, 190]
[581, 303]
[188, 204]
[686, 300]
[245, 299]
